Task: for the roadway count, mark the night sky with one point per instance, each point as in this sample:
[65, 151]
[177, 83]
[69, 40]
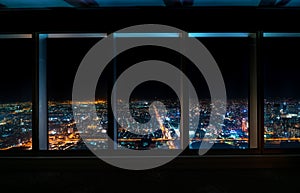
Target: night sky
[280, 60]
[65, 55]
[282, 67]
[16, 61]
[231, 54]
[63, 59]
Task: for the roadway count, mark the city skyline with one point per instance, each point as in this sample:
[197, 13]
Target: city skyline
[64, 135]
[277, 112]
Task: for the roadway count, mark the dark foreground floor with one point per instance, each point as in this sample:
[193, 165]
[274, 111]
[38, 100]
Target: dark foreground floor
[77, 175]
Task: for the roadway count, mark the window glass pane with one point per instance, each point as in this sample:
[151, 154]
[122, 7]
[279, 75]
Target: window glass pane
[17, 61]
[151, 128]
[233, 53]
[282, 96]
[64, 55]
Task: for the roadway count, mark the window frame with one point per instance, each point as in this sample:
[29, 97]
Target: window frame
[252, 91]
[42, 127]
[271, 34]
[24, 35]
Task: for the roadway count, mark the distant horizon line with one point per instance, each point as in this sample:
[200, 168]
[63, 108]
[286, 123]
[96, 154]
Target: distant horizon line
[103, 100]
[137, 99]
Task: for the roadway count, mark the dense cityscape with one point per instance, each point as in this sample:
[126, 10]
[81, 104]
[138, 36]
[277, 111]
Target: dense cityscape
[233, 133]
[281, 125]
[63, 134]
[15, 126]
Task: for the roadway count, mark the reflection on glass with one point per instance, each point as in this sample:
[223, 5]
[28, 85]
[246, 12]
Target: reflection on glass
[282, 96]
[64, 55]
[15, 97]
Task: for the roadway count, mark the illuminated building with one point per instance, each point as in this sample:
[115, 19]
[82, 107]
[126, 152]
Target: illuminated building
[244, 125]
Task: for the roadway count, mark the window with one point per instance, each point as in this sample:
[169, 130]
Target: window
[61, 55]
[17, 60]
[281, 104]
[234, 53]
[154, 126]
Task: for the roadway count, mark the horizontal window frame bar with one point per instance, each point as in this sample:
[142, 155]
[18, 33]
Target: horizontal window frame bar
[148, 35]
[16, 36]
[75, 35]
[280, 35]
[221, 35]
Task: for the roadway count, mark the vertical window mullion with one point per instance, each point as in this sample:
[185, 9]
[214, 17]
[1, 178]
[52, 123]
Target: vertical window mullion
[35, 95]
[260, 92]
[253, 96]
[42, 92]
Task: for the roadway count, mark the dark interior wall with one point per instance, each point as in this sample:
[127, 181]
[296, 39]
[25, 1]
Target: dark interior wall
[221, 174]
